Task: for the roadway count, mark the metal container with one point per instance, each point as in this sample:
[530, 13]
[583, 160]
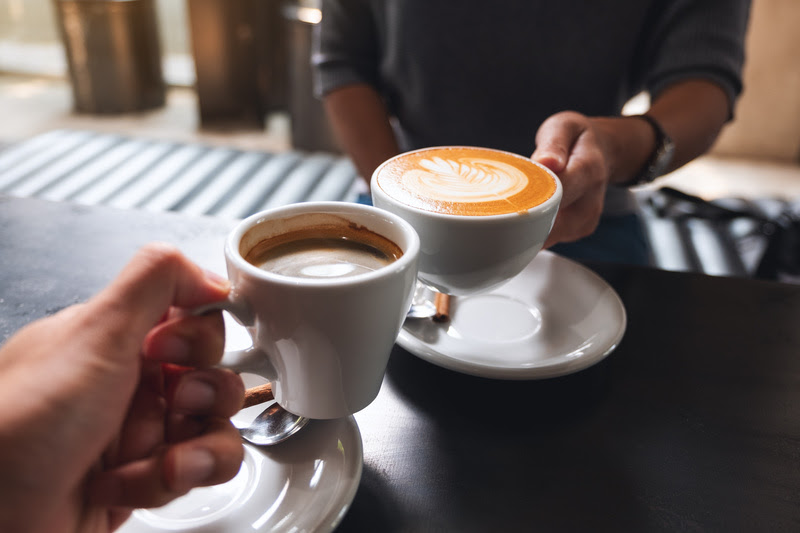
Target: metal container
[272, 60]
[114, 54]
[238, 49]
[311, 130]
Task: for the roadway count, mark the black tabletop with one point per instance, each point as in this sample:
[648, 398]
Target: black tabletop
[691, 424]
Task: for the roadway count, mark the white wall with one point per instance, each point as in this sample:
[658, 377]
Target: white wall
[767, 122]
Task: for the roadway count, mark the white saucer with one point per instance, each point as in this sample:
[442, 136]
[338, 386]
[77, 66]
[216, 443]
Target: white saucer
[303, 484]
[555, 318]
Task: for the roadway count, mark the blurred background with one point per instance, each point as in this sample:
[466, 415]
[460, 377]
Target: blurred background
[223, 72]
[235, 73]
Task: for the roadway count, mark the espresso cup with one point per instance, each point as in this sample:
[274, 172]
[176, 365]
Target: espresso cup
[323, 289]
[482, 214]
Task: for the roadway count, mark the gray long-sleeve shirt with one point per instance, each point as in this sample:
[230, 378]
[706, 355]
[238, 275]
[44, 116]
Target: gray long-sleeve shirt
[488, 73]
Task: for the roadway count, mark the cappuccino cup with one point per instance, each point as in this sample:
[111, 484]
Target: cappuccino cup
[323, 289]
[482, 215]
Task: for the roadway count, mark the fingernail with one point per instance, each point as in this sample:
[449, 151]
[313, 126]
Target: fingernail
[216, 279]
[174, 348]
[194, 395]
[192, 468]
[549, 159]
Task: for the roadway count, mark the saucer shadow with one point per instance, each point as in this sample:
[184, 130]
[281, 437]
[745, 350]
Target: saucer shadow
[372, 508]
[500, 453]
[455, 399]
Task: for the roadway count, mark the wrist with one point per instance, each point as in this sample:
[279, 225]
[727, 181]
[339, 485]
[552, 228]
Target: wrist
[659, 160]
[628, 143]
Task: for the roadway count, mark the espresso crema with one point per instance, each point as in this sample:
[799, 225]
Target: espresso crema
[324, 252]
[465, 181]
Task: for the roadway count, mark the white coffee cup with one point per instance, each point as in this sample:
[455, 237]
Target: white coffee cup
[324, 343]
[467, 254]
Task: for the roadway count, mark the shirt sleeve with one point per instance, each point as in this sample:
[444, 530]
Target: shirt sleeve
[345, 46]
[697, 39]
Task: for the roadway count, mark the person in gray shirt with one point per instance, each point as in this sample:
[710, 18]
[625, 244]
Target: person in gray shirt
[543, 79]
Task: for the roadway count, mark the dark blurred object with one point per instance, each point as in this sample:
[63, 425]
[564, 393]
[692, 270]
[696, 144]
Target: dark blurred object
[253, 57]
[114, 54]
[766, 232]
[273, 62]
[239, 56]
[310, 128]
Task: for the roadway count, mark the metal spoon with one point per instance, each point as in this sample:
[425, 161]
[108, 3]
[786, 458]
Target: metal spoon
[428, 303]
[275, 424]
[422, 305]
[424, 309]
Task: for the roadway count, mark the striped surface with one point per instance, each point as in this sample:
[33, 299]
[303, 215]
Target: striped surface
[97, 168]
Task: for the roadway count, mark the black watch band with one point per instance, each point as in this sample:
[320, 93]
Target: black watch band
[659, 160]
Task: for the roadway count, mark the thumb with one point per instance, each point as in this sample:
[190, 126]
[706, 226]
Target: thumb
[551, 156]
[555, 139]
[157, 277]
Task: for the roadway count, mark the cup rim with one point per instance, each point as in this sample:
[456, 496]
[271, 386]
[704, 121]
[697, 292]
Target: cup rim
[410, 252]
[544, 206]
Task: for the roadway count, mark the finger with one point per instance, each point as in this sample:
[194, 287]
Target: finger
[138, 484]
[182, 427]
[196, 341]
[158, 277]
[143, 430]
[186, 465]
[117, 517]
[156, 480]
[207, 392]
[192, 393]
[555, 139]
[576, 221]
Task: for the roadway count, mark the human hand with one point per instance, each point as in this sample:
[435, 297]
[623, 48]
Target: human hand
[112, 405]
[570, 145]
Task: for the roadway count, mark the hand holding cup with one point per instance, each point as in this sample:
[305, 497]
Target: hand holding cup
[482, 215]
[323, 289]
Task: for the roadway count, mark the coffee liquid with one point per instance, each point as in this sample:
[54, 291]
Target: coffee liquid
[466, 181]
[324, 252]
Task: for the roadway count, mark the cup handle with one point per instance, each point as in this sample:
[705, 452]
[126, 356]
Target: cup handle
[251, 360]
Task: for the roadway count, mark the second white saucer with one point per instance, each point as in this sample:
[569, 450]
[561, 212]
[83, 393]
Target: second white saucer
[555, 318]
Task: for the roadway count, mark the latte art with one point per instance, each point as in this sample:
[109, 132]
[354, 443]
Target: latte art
[466, 181]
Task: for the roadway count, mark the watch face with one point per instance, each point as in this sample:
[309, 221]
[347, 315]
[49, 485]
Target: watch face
[663, 157]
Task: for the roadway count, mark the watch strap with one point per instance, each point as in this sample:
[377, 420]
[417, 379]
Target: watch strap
[659, 159]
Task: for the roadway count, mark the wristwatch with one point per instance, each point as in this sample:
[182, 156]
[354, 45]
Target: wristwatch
[659, 160]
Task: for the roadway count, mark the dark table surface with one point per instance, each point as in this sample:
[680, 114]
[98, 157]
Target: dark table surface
[692, 424]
